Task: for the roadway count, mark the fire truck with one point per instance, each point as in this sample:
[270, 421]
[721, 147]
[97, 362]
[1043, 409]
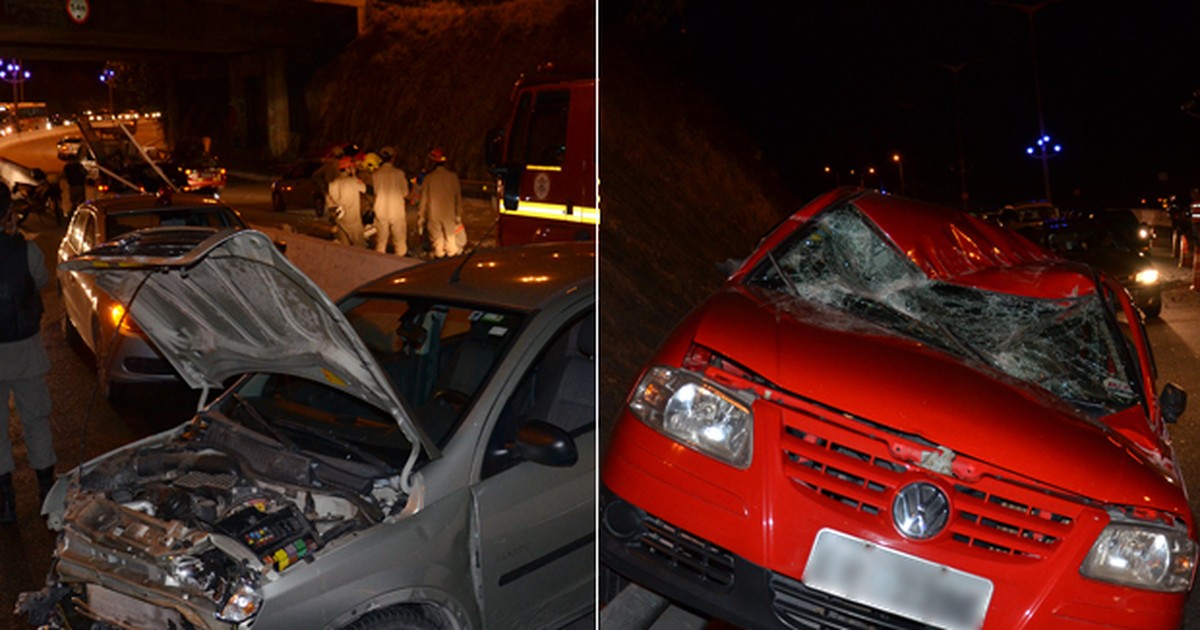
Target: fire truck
[544, 160]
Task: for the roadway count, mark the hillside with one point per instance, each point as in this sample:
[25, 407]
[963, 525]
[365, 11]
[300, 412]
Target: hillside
[441, 75]
[682, 190]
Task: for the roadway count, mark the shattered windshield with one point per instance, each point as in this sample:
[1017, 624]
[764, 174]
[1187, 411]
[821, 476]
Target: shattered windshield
[840, 264]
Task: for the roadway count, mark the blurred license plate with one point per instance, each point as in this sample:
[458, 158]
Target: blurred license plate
[888, 580]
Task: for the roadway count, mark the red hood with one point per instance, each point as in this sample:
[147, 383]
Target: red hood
[907, 386]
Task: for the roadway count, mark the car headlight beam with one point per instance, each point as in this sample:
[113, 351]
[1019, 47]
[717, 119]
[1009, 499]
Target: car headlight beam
[1147, 276]
[1141, 556]
[696, 412]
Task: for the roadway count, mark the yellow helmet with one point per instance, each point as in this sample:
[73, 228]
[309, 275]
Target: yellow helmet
[371, 161]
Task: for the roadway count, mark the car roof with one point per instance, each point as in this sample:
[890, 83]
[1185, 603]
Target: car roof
[523, 277]
[138, 201]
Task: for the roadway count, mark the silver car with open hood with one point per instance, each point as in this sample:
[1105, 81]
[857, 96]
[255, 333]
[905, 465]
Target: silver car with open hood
[420, 455]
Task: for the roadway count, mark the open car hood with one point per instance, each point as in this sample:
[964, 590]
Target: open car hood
[218, 305]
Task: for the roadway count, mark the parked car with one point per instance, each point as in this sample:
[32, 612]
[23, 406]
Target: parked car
[204, 174]
[420, 455]
[68, 147]
[1115, 243]
[295, 188]
[124, 356]
[897, 414]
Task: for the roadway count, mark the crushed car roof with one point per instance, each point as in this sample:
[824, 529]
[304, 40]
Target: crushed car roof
[945, 244]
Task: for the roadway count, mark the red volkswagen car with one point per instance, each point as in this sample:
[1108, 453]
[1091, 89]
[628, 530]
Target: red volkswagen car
[896, 415]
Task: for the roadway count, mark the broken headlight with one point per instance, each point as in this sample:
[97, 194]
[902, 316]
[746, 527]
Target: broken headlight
[242, 604]
[693, 410]
[1140, 556]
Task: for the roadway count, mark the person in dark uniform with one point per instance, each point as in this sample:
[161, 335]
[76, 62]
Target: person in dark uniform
[23, 358]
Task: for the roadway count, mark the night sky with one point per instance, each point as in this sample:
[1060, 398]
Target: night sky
[847, 83]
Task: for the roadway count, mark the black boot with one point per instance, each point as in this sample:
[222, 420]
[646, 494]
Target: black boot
[8, 499]
[45, 478]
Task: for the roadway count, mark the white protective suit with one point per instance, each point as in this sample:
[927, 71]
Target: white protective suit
[346, 191]
[441, 210]
[391, 188]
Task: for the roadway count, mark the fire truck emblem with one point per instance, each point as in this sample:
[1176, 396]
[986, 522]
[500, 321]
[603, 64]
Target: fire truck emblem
[541, 185]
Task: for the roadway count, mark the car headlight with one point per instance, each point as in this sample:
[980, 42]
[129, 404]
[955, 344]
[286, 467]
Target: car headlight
[242, 605]
[1147, 276]
[1142, 557]
[696, 412]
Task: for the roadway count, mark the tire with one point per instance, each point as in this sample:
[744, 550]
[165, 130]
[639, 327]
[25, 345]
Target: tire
[319, 205]
[395, 618]
[277, 203]
[114, 392]
[1152, 312]
[70, 335]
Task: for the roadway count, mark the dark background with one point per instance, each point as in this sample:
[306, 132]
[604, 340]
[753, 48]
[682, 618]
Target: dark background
[846, 84]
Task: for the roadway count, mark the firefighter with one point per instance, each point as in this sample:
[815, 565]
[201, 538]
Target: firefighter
[391, 189]
[441, 207]
[345, 197]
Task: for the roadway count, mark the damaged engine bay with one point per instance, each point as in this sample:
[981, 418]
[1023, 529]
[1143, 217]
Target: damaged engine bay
[183, 529]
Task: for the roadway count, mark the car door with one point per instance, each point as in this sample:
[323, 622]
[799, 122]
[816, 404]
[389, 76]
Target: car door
[78, 289]
[536, 522]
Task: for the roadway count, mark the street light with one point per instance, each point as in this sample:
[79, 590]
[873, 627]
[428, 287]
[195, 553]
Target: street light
[1030, 11]
[1045, 150]
[108, 76]
[17, 75]
[900, 165]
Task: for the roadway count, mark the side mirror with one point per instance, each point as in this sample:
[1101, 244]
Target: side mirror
[546, 444]
[1172, 402]
[511, 176]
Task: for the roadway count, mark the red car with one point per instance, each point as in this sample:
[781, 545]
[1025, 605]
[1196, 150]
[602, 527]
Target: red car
[896, 415]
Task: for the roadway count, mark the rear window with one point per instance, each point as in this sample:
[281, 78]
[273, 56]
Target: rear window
[216, 218]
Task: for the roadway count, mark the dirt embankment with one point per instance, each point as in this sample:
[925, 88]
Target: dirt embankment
[442, 75]
[682, 189]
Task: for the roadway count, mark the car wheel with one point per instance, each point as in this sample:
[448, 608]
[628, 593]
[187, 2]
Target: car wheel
[70, 335]
[113, 392]
[277, 203]
[1151, 312]
[319, 205]
[396, 618]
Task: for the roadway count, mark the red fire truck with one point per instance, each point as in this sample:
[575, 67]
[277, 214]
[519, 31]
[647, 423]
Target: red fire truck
[545, 162]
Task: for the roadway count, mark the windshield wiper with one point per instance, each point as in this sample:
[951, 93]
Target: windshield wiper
[253, 414]
[362, 454]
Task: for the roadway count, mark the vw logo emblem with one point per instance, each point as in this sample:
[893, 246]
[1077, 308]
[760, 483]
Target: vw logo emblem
[920, 510]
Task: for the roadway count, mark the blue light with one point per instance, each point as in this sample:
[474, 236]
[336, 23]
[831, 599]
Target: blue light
[1057, 148]
[1029, 150]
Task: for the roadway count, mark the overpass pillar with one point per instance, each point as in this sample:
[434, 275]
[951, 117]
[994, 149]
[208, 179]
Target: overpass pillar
[258, 99]
[278, 116]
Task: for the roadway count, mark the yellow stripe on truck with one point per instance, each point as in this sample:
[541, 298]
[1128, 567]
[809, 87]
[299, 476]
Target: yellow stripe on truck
[578, 214]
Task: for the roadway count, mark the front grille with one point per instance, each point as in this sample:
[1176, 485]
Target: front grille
[854, 467]
[798, 606]
[687, 555]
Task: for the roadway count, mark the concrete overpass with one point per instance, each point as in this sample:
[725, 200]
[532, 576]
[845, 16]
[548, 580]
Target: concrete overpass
[249, 58]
